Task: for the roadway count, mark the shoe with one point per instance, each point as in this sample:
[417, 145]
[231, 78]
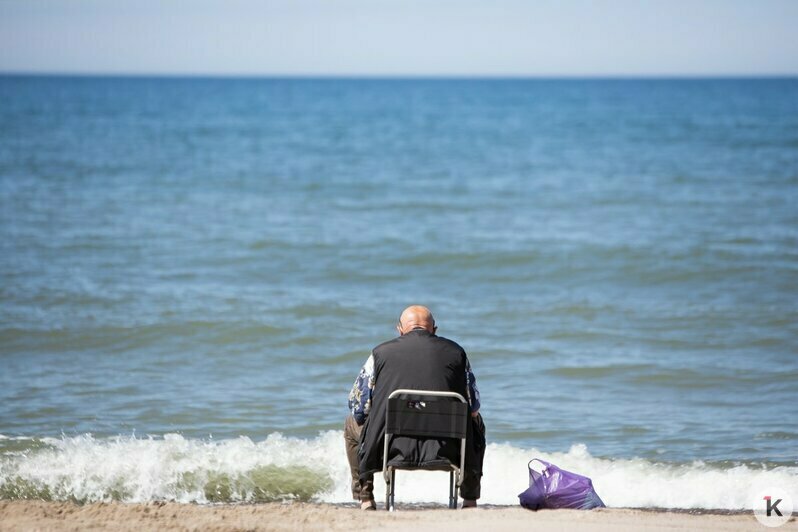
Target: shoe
[469, 503]
[368, 505]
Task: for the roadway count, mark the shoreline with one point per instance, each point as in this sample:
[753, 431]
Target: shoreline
[44, 515]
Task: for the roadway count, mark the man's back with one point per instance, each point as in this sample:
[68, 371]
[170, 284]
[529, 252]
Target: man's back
[416, 360]
[419, 360]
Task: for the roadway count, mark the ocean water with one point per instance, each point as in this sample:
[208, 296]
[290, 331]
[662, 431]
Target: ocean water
[192, 272]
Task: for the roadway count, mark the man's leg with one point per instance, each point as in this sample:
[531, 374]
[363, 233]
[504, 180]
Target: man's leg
[352, 440]
[362, 491]
[367, 493]
[472, 477]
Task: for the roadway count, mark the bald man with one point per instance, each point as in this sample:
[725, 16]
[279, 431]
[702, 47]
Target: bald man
[416, 359]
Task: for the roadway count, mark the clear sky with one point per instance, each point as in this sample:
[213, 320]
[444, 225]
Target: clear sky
[401, 37]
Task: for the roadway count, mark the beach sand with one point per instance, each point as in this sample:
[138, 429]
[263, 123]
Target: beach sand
[40, 515]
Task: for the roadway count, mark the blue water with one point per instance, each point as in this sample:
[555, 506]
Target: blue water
[216, 257]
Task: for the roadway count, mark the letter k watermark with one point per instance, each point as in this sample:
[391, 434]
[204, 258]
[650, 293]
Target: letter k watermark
[772, 506]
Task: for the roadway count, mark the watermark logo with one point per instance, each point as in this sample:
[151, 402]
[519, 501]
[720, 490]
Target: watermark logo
[772, 506]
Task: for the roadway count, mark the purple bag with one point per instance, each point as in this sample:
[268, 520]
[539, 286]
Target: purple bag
[553, 487]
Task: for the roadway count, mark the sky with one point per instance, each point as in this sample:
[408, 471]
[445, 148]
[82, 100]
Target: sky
[401, 37]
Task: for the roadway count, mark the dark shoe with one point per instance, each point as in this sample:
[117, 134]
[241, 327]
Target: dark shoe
[469, 503]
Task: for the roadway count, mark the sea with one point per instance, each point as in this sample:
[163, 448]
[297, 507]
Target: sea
[193, 271]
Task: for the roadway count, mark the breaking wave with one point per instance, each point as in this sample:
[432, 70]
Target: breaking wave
[172, 467]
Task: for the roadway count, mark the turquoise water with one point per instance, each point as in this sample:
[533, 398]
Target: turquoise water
[214, 258]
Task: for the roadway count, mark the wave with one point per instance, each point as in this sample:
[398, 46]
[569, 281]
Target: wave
[172, 467]
[110, 338]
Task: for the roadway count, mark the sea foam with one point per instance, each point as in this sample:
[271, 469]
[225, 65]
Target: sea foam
[172, 467]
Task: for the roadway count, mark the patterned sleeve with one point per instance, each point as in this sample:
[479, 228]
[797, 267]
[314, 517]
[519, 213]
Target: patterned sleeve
[473, 391]
[360, 396]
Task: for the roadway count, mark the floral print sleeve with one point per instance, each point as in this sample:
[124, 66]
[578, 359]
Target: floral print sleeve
[360, 396]
[473, 391]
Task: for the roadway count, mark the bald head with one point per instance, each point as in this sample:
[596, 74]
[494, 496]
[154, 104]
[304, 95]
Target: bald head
[414, 317]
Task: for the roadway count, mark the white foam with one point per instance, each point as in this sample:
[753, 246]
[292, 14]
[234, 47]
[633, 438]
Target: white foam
[146, 469]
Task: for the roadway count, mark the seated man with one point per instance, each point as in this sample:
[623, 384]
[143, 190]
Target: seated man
[417, 359]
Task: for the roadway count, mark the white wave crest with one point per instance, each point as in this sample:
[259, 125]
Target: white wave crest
[157, 468]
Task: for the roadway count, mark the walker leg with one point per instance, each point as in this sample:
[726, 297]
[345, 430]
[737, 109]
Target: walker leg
[452, 491]
[387, 494]
[392, 491]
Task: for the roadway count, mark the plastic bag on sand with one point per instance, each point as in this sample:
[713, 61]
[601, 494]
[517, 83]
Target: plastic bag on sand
[552, 487]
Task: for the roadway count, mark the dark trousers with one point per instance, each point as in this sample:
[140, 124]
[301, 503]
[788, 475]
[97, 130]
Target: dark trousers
[472, 476]
[361, 491]
[475, 455]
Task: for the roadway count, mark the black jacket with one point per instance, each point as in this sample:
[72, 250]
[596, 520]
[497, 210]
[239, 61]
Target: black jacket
[418, 360]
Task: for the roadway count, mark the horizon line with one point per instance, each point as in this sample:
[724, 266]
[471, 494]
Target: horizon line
[398, 76]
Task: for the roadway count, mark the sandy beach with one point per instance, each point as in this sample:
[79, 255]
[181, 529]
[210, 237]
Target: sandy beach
[39, 515]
